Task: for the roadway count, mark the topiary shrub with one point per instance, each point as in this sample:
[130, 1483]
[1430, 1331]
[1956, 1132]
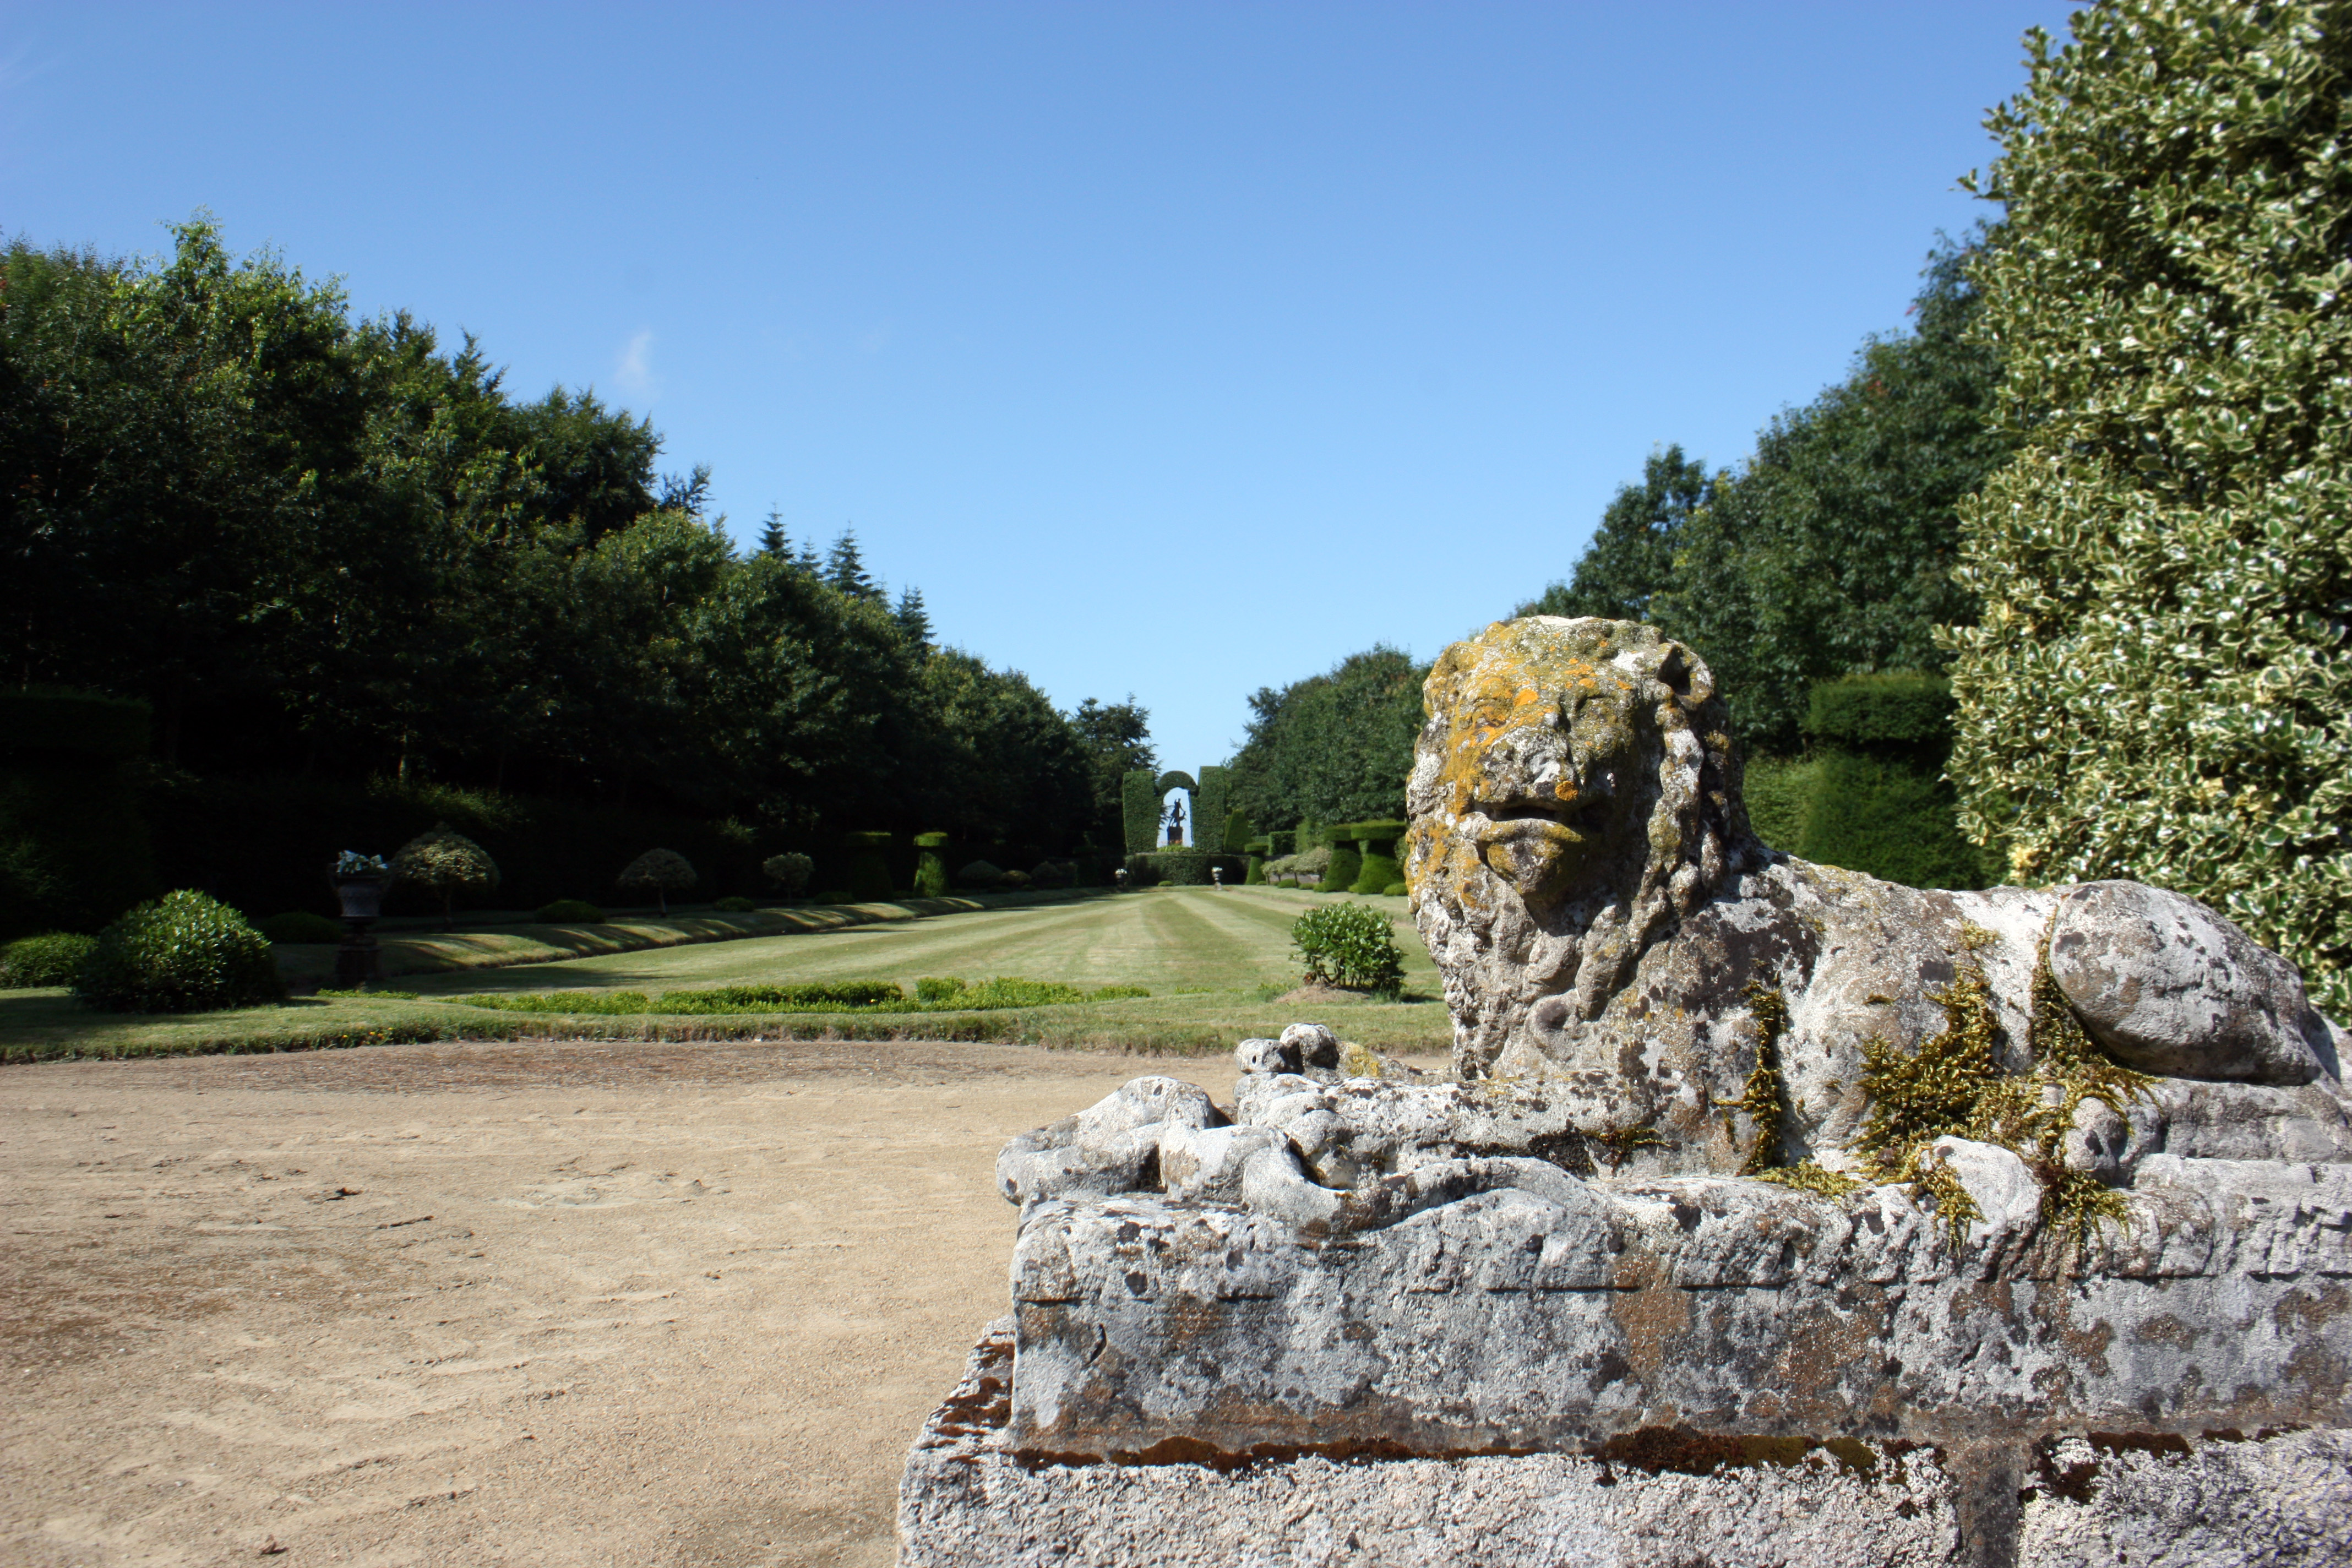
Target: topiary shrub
[298, 926]
[184, 952]
[869, 871]
[443, 863]
[660, 873]
[1016, 881]
[790, 871]
[1376, 842]
[980, 874]
[49, 959]
[1350, 945]
[733, 905]
[1394, 891]
[1049, 875]
[571, 912]
[930, 871]
[1345, 862]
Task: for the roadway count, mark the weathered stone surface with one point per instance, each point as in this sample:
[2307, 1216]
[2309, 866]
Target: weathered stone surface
[1317, 1046]
[2171, 987]
[1500, 1303]
[1581, 868]
[1110, 1147]
[1657, 1500]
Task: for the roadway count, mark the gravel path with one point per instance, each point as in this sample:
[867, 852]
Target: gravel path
[483, 1303]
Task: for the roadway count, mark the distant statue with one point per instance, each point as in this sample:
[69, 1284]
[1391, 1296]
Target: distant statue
[1176, 820]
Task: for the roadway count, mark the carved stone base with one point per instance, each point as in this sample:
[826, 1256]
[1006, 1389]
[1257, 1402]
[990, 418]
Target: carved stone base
[1655, 1500]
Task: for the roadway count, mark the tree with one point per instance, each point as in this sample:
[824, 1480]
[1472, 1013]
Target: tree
[2155, 686]
[444, 862]
[772, 535]
[845, 569]
[1114, 740]
[914, 621]
[1631, 555]
[660, 873]
[1830, 551]
[1334, 747]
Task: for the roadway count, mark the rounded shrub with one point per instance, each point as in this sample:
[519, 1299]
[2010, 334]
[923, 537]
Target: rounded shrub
[49, 959]
[571, 912]
[1047, 874]
[980, 874]
[445, 863]
[1016, 881]
[790, 871]
[184, 952]
[296, 926]
[1351, 946]
[660, 873]
[1346, 863]
[735, 905]
[1394, 891]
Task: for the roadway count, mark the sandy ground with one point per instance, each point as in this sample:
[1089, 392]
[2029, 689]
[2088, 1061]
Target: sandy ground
[498, 1303]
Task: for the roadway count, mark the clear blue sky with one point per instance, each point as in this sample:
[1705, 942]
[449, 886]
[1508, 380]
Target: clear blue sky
[1176, 350]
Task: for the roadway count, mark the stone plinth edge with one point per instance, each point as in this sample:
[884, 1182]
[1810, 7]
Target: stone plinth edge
[2223, 1500]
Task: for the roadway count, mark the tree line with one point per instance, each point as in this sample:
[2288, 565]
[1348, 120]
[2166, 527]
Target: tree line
[330, 546]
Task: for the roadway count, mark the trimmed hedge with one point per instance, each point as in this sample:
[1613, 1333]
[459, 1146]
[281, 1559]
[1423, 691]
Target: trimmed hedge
[1883, 710]
[1346, 864]
[1877, 801]
[184, 952]
[49, 959]
[1376, 842]
[264, 843]
[1140, 811]
[571, 912]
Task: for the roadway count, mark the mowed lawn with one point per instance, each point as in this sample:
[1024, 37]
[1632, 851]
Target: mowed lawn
[1213, 962]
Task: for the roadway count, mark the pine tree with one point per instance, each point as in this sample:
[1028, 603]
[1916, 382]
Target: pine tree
[845, 569]
[771, 534]
[912, 618]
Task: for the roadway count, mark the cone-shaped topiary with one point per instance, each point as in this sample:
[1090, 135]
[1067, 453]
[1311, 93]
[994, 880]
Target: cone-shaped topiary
[660, 873]
[184, 952]
[444, 862]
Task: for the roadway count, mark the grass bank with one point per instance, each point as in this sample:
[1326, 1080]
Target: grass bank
[1214, 962]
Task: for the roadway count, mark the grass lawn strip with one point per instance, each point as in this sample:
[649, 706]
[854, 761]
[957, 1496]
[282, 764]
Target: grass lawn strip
[307, 965]
[1223, 949]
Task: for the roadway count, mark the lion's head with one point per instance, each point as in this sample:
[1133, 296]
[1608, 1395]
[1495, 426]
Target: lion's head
[1574, 791]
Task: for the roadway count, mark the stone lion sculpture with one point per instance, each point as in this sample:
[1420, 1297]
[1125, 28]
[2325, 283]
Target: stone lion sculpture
[1582, 867]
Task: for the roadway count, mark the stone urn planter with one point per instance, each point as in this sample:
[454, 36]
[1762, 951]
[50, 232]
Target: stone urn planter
[359, 962]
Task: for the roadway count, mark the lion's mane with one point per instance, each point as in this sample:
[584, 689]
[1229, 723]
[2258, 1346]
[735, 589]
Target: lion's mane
[1574, 795]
